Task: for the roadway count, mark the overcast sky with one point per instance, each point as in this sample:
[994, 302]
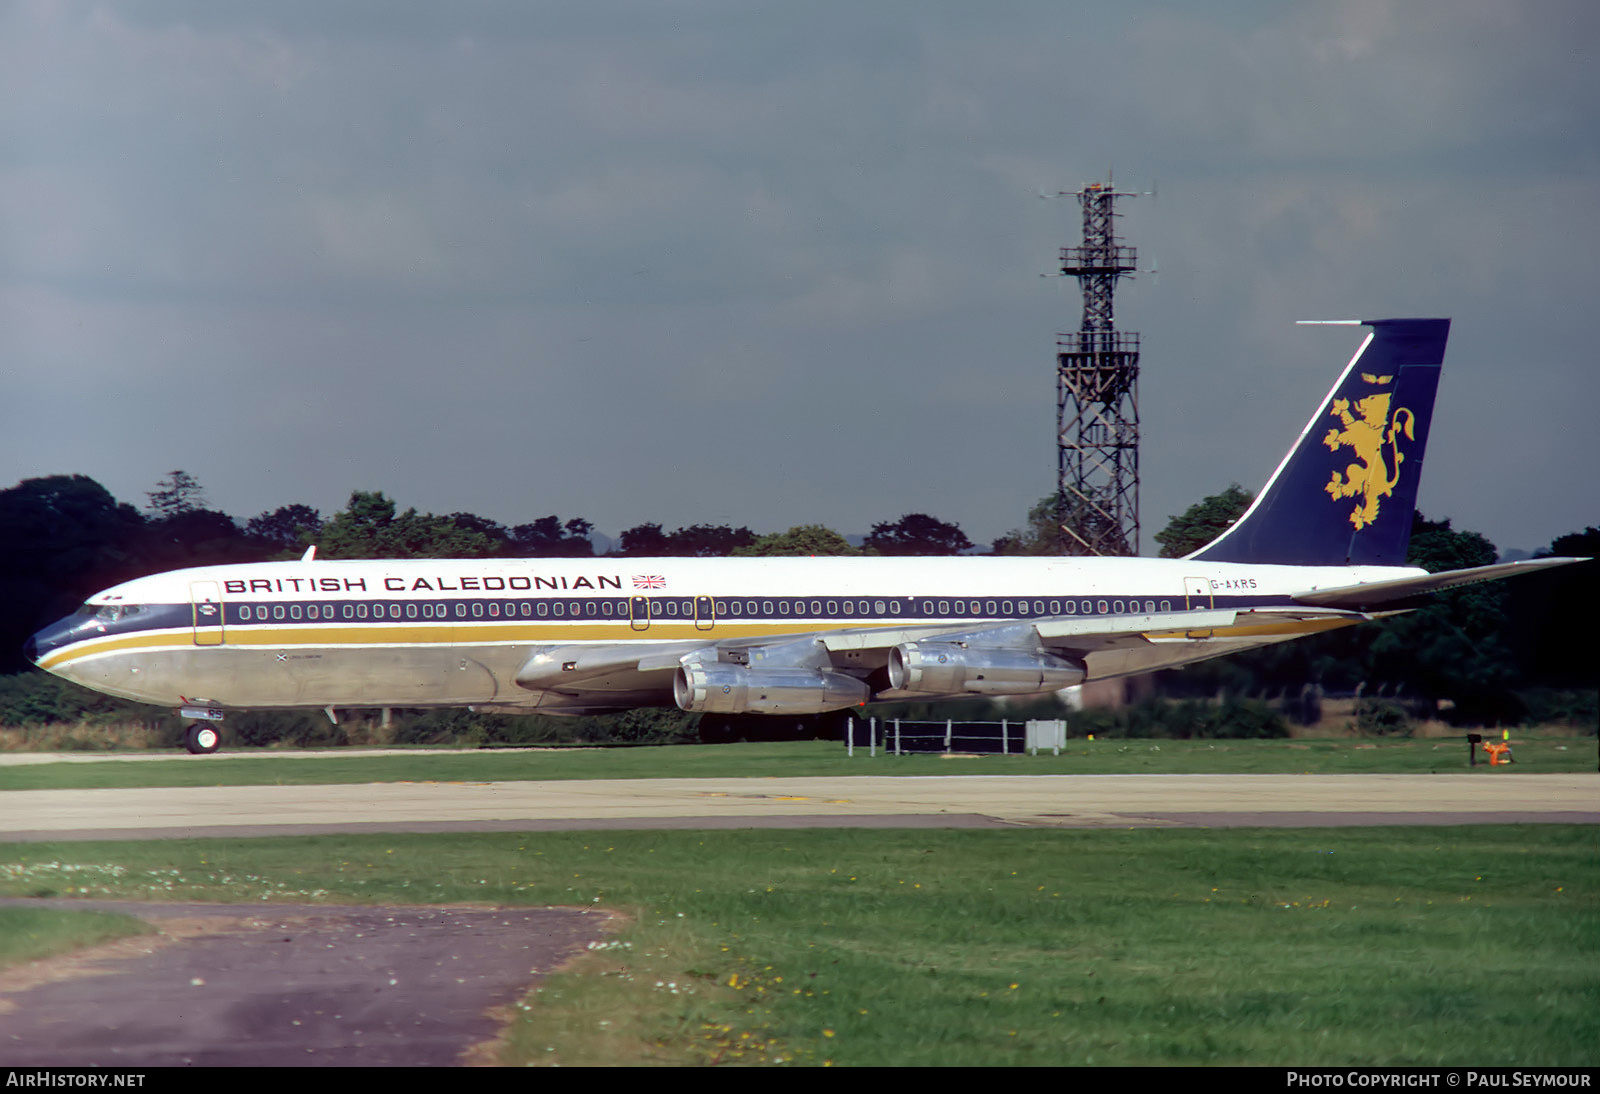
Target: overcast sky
[768, 264]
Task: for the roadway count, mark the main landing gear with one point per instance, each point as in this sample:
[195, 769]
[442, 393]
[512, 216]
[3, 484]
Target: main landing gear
[202, 739]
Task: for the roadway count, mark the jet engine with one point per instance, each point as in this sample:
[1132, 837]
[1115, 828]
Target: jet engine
[946, 668]
[735, 689]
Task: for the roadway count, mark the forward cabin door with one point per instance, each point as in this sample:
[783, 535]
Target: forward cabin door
[206, 602]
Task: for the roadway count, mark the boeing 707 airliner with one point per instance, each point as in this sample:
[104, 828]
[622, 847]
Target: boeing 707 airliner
[1324, 546]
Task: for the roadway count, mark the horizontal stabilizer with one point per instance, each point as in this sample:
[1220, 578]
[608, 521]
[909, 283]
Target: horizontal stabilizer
[1373, 593]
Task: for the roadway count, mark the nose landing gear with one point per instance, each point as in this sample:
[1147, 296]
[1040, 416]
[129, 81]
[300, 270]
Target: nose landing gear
[202, 739]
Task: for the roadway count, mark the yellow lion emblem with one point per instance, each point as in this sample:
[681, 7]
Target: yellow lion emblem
[1374, 435]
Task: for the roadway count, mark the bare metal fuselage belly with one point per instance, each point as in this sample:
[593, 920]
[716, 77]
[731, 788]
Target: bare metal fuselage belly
[247, 677]
[252, 677]
[434, 664]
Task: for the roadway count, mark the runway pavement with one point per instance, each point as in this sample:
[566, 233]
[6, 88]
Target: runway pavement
[864, 801]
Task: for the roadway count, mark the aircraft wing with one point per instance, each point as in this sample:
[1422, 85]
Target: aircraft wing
[1374, 593]
[1033, 656]
[1068, 633]
[586, 666]
[1047, 653]
[1028, 655]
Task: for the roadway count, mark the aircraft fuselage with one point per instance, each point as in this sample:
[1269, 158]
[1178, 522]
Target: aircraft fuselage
[458, 632]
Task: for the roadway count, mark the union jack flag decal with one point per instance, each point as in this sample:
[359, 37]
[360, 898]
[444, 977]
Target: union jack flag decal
[649, 581]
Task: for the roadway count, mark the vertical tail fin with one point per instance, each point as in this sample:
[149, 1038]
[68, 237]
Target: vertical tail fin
[1346, 491]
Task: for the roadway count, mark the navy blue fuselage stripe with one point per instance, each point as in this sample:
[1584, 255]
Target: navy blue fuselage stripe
[833, 610]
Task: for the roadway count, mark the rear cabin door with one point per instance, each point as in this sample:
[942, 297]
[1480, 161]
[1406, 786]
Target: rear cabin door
[1196, 594]
[1197, 597]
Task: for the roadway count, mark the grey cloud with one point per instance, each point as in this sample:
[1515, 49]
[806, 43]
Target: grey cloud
[714, 261]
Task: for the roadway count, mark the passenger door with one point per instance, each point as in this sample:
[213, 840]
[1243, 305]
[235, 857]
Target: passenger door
[206, 606]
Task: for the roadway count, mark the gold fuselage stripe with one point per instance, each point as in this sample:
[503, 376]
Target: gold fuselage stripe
[444, 635]
[447, 634]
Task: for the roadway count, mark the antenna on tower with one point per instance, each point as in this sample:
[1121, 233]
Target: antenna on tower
[1097, 392]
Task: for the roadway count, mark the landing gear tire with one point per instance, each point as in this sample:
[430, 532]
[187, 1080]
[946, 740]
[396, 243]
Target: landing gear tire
[202, 739]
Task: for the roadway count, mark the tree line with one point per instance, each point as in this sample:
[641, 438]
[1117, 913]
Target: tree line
[1476, 654]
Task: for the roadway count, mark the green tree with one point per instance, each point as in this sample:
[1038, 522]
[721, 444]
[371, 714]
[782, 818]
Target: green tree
[1040, 536]
[643, 541]
[916, 534]
[491, 530]
[286, 528]
[709, 540]
[695, 541]
[547, 537]
[369, 527]
[1550, 614]
[1584, 544]
[1452, 646]
[182, 532]
[1203, 521]
[179, 492]
[803, 539]
[193, 537]
[361, 529]
[65, 537]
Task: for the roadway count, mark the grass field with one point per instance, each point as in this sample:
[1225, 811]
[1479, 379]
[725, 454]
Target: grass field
[27, 934]
[1471, 945]
[1100, 757]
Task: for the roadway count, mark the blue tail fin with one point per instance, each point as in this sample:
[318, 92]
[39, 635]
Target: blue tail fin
[1346, 492]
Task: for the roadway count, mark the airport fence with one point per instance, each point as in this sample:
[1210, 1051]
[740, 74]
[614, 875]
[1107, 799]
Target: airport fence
[903, 736]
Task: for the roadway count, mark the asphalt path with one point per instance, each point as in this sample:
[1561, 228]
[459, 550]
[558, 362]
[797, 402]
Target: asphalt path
[226, 985]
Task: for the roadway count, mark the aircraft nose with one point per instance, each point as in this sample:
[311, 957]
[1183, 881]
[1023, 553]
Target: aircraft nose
[40, 644]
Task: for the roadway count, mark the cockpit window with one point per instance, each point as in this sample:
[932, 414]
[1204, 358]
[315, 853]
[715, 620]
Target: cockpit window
[108, 613]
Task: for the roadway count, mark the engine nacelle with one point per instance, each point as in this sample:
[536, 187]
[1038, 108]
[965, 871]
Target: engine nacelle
[735, 689]
[944, 668]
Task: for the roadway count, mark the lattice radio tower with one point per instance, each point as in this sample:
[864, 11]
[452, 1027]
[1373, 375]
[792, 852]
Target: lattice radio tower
[1097, 394]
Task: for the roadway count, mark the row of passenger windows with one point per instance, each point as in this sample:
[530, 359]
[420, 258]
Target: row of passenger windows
[674, 607]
